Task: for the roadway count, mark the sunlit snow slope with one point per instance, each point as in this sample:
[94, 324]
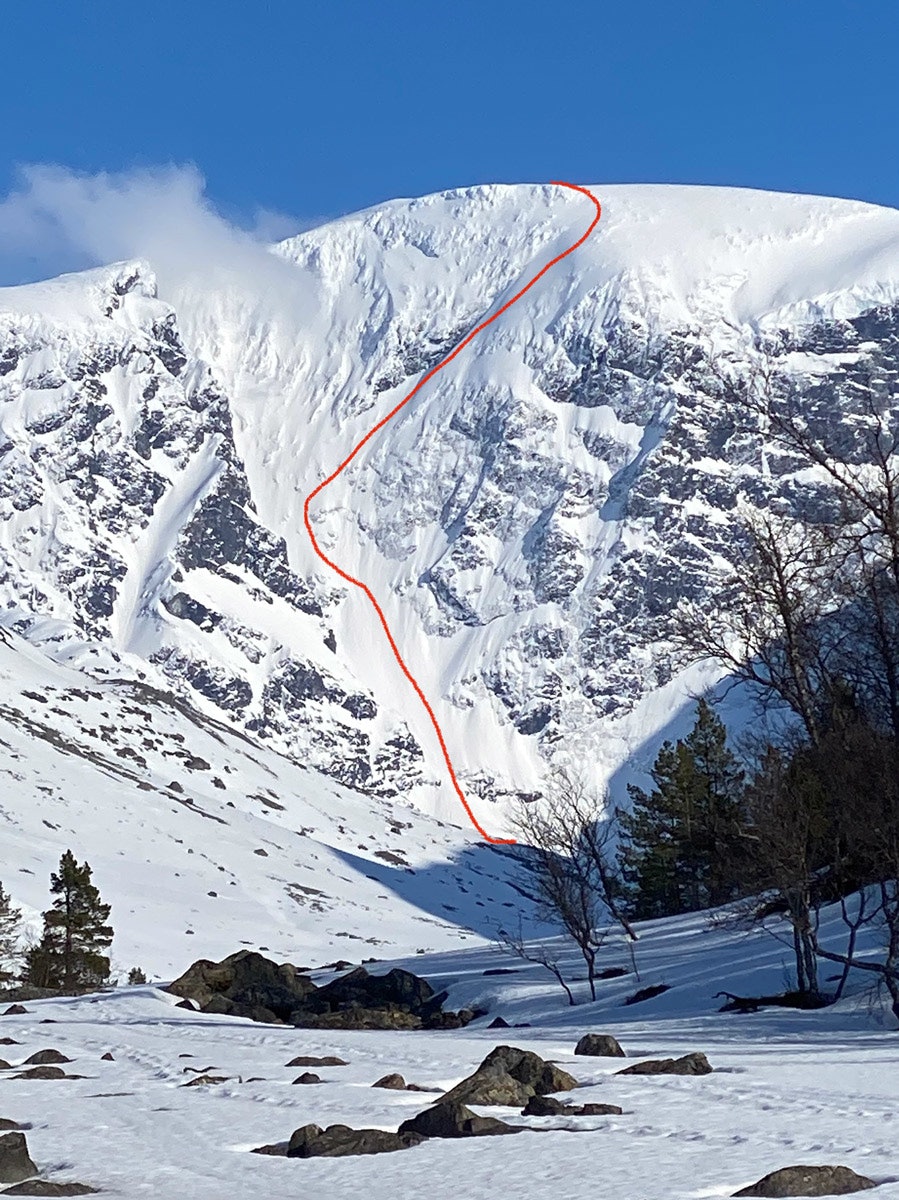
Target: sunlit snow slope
[529, 519]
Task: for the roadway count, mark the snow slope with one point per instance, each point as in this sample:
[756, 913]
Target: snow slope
[787, 1088]
[528, 522]
[529, 518]
[204, 842]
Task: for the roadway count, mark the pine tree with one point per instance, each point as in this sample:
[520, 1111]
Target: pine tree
[680, 847]
[70, 955]
[10, 929]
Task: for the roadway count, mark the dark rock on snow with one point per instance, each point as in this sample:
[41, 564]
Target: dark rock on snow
[490, 1087]
[309, 1060]
[15, 1010]
[6, 1123]
[599, 1045]
[510, 1076]
[687, 1064]
[499, 1023]
[43, 1057]
[247, 984]
[809, 1181]
[393, 1082]
[46, 1187]
[15, 1162]
[549, 1106]
[308, 1077]
[340, 1141]
[447, 1120]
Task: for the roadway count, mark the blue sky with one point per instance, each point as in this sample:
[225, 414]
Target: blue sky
[298, 110]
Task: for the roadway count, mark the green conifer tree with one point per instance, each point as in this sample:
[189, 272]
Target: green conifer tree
[680, 847]
[10, 929]
[70, 955]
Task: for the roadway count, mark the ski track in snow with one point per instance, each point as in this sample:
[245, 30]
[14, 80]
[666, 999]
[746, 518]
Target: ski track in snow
[428, 375]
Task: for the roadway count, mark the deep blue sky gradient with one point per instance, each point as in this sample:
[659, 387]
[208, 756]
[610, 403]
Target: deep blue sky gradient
[318, 108]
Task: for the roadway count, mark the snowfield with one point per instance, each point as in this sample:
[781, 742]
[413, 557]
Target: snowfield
[527, 522]
[189, 703]
[787, 1088]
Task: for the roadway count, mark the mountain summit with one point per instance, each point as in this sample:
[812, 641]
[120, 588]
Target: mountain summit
[528, 521]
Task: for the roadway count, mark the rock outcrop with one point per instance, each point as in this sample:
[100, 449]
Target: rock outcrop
[599, 1045]
[687, 1064]
[450, 1120]
[510, 1076]
[809, 1181]
[15, 1161]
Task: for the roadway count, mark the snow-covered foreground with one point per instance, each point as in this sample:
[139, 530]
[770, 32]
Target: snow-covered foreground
[787, 1088]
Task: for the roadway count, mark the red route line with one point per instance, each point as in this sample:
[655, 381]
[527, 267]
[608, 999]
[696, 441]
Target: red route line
[371, 433]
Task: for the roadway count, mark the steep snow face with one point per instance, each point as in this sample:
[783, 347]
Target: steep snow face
[128, 524]
[530, 518]
[205, 842]
[528, 521]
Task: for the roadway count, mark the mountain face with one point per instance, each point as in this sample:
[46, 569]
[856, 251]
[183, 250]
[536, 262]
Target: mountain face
[528, 521]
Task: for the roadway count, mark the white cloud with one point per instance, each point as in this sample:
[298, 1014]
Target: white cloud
[57, 220]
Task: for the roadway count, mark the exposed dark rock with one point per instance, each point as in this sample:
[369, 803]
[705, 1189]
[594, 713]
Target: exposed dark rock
[510, 1076]
[490, 1087]
[501, 971]
[549, 1106]
[599, 1045]
[107, 1057]
[546, 1106]
[244, 984]
[308, 1077]
[47, 1187]
[308, 1060]
[6, 1123]
[809, 1181]
[8, 1041]
[15, 1162]
[544, 1077]
[397, 987]
[43, 1057]
[357, 1018]
[450, 1120]
[687, 1064]
[340, 1141]
[393, 1082]
[248, 985]
[499, 1023]
[15, 1010]
[4, 1065]
[205, 1081]
[358, 1000]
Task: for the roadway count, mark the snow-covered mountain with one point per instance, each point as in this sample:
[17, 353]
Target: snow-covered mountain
[527, 521]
